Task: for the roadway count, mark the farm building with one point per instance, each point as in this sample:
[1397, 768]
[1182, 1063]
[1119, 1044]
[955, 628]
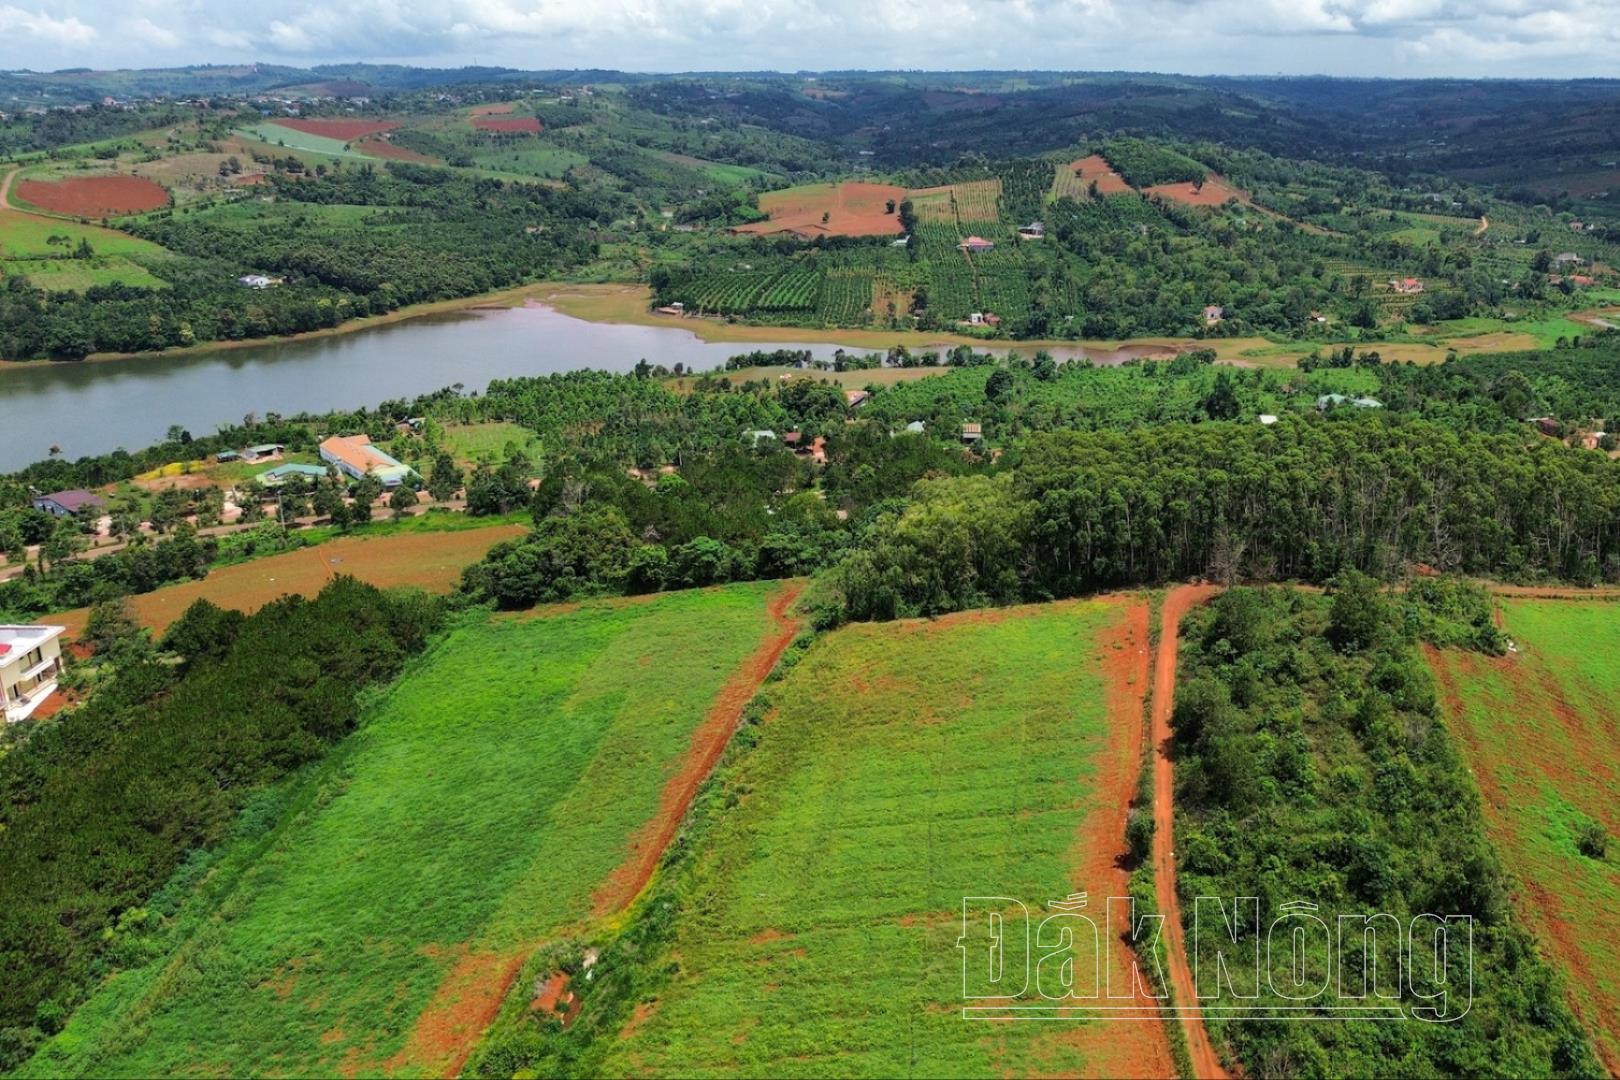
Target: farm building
[1407, 286]
[972, 432]
[759, 436]
[67, 503]
[263, 452]
[257, 281]
[916, 427]
[356, 457]
[1567, 258]
[1033, 231]
[1268, 419]
[1213, 314]
[1333, 401]
[856, 398]
[974, 245]
[30, 659]
[279, 475]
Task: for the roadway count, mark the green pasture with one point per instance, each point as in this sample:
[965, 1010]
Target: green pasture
[484, 798]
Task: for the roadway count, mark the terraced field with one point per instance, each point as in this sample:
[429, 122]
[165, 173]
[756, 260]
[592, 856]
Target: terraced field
[1541, 728]
[513, 782]
[905, 766]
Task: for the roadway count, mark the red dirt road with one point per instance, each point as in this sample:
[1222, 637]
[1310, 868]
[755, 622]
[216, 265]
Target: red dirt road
[1177, 603]
[708, 743]
[1132, 1050]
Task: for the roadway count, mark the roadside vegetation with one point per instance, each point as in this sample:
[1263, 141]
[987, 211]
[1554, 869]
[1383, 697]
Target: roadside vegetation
[1313, 764]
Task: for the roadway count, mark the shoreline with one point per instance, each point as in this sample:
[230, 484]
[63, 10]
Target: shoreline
[628, 305]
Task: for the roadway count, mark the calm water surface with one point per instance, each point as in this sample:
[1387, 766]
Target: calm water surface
[94, 408]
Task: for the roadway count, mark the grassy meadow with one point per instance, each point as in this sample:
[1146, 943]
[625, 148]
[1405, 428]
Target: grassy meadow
[1541, 728]
[485, 798]
[903, 767]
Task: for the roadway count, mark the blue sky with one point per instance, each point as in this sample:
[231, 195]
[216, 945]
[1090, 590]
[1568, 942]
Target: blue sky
[1553, 38]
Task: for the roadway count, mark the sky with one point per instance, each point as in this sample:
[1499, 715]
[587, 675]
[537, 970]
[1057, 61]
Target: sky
[1406, 38]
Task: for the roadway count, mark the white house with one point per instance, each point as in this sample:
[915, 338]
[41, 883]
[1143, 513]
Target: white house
[30, 660]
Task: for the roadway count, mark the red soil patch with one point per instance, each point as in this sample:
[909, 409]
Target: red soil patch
[528, 124]
[853, 208]
[1213, 192]
[249, 179]
[346, 130]
[95, 196]
[379, 147]
[556, 1000]
[1177, 603]
[463, 1006]
[498, 109]
[1096, 168]
[1100, 866]
[642, 1014]
[708, 742]
[432, 561]
[1505, 780]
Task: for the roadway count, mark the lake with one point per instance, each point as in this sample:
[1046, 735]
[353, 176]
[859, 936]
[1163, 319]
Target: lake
[97, 407]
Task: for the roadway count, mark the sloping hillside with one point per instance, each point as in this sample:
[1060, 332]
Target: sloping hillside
[510, 784]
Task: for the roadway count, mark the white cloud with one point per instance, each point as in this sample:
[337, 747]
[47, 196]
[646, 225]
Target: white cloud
[1482, 37]
[44, 28]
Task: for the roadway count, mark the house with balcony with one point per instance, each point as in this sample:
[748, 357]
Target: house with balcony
[30, 661]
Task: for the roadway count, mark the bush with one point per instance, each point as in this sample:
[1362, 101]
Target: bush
[1592, 840]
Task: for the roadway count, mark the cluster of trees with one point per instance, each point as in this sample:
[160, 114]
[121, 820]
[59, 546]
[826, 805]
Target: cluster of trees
[59, 582]
[1074, 512]
[100, 808]
[1312, 765]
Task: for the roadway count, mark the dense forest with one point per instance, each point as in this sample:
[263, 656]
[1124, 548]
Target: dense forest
[1312, 763]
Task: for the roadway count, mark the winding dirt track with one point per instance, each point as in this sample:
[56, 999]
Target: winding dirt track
[5, 188]
[1177, 603]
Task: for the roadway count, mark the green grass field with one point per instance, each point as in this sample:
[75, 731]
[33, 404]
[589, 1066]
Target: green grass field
[26, 250]
[276, 135]
[29, 234]
[530, 159]
[489, 442]
[905, 766]
[485, 798]
[76, 275]
[1542, 731]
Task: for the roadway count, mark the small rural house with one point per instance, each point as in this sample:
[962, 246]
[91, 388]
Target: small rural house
[677, 308]
[67, 503]
[282, 473]
[257, 281]
[354, 456]
[1549, 426]
[1333, 401]
[856, 398]
[972, 432]
[263, 452]
[30, 660]
[1567, 258]
[1213, 314]
[916, 427]
[1033, 231]
[975, 245]
[759, 436]
[1408, 286]
[1268, 419]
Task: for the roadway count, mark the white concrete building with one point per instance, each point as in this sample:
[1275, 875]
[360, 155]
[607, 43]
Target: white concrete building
[30, 660]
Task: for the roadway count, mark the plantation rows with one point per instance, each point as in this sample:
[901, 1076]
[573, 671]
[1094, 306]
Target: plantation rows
[845, 297]
[1025, 185]
[737, 292]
